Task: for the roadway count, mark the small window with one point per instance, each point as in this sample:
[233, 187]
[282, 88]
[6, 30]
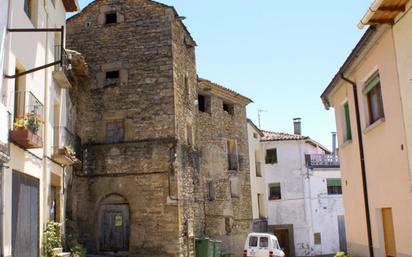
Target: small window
[232, 156]
[255, 135]
[373, 93]
[204, 103]
[274, 191]
[264, 242]
[112, 74]
[111, 18]
[229, 108]
[347, 131]
[271, 156]
[210, 193]
[28, 7]
[253, 241]
[114, 132]
[334, 186]
[317, 238]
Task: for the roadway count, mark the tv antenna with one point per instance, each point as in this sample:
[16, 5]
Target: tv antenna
[259, 112]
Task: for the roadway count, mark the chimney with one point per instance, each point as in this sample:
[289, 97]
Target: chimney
[334, 143]
[297, 126]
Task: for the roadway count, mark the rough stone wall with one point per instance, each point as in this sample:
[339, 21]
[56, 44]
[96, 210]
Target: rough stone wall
[185, 93]
[153, 166]
[226, 217]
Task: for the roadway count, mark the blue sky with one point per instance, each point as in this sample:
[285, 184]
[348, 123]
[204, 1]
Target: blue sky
[281, 54]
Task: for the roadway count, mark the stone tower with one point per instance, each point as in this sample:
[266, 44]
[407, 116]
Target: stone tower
[133, 194]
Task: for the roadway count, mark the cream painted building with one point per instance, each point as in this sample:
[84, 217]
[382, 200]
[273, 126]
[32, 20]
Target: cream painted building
[371, 99]
[257, 178]
[36, 152]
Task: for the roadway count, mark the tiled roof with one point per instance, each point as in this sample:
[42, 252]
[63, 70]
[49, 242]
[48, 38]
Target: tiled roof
[281, 136]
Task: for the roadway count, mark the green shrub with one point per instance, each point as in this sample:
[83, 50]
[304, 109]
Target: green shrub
[71, 245]
[341, 254]
[51, 239]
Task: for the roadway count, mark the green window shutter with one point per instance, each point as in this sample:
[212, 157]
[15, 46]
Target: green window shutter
[371, 83]
[334, 182]
[271, 185]
[347, 122]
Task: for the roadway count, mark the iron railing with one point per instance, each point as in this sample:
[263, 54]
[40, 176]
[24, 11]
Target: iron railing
[28, 112]
[65, 66]
[322, 161]
[63, 137]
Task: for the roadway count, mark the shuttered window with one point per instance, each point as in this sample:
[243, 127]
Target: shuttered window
[347, 125]
[271, 156]
[334, 186]
[373, 93]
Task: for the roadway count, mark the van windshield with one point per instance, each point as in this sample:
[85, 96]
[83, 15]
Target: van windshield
[264, 242]
[253, 241]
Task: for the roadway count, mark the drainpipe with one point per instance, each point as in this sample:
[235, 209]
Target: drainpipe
[362, 160]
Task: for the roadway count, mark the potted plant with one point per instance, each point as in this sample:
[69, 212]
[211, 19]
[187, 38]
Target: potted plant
[25, 131]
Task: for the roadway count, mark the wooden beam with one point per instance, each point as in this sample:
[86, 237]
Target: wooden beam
[393, 8]
[380, 21]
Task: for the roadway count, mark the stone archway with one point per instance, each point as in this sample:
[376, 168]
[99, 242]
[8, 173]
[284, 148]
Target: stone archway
[114, 224]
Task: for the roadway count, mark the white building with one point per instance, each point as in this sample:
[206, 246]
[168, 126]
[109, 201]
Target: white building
[257, 181]
[303, 193]
[34, 121]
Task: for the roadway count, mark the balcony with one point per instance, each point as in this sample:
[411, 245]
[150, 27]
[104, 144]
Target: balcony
[314, 161]
[65, 144]
[62, 73]
[5, 118]
[233, 162]
[28, 121]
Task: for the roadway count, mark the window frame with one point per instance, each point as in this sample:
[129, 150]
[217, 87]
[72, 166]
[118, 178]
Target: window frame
[275, 158]
[372, 91]
[332, 187]
[275, 185]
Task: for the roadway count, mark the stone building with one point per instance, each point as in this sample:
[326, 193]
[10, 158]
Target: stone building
[134, 192]
[223, 203]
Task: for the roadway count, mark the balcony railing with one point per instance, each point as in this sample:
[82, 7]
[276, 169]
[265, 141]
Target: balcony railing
[258, 166]
[233, 161]
[62, 72]
[322, 161]
[65, 150]
[28, 121]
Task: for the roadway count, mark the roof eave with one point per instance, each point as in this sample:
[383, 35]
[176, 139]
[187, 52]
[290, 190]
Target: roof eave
[352, 56]
[71, 5]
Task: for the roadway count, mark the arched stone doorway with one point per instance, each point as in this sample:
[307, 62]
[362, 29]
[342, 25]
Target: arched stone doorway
[114, 224]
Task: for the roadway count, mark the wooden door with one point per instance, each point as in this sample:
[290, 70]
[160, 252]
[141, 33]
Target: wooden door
[283, 239]
[388, 232]
[114, 228]
[25, 215]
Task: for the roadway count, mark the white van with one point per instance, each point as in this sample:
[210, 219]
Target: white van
[262, 245]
